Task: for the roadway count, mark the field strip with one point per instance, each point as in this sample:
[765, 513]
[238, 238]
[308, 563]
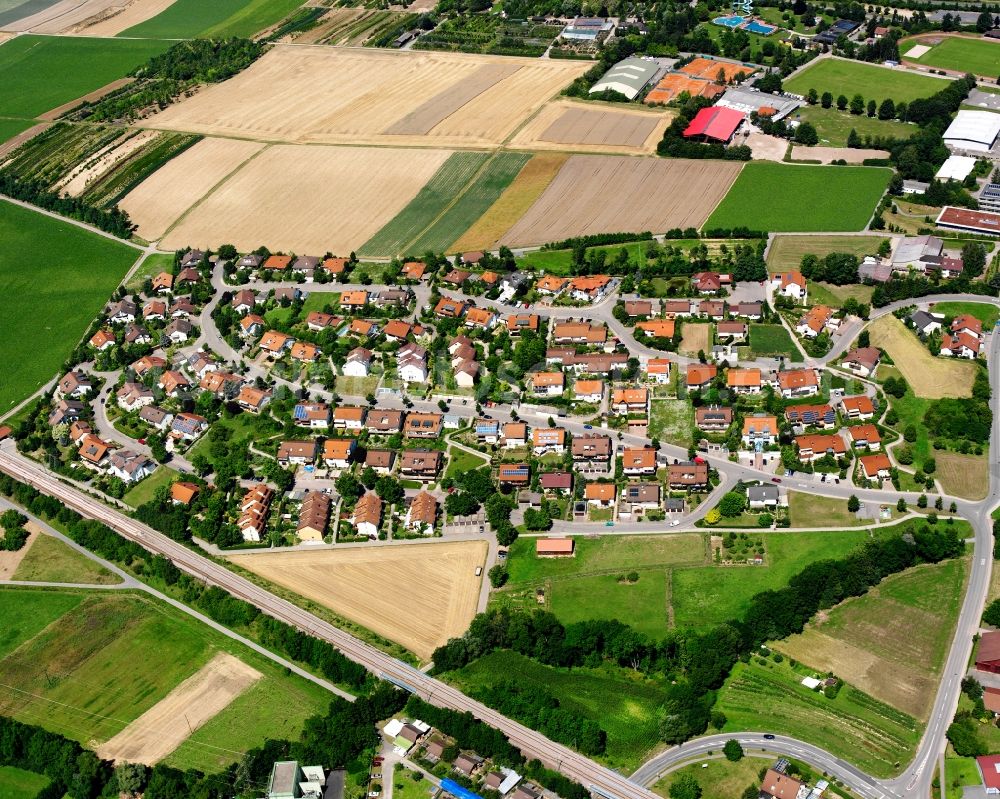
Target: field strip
[172, 720]
[97, 94]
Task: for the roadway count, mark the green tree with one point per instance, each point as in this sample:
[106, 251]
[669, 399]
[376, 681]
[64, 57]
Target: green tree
[732, 504]
[864, 339]
[857, 105]
[853, 504]
[887, 110]
[901, 505]
[922, 501]
[732, 750]
[853, 139]
[910, 433]
[812, 97]
[841, 102]
[685, 787]
[498, 575]
[872, 108]
[826, 100]
[806, 134]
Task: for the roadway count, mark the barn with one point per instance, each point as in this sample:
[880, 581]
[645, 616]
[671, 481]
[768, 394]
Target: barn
[988, 654]
[553, 547]
[716, 123]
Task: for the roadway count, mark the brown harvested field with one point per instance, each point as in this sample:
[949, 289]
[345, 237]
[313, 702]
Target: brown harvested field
[308, 199]
[695, 338]
[101, 162]
[73, 16]
[172, 720]
[615, 194]
[9, 561]
[120, 18]
[962, 475]
[54, 113]
[160, 200]
[418, 595]
[517, 198]
[328, 95]
[827, 154]
[566, 125]
[930, 377]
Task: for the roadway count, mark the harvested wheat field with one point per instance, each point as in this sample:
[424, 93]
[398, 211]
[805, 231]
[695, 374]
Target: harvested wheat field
[172, 720]
[614, 194]
[160, 200]
[418, 595]
[353, 96]
[9, 561]
[65, 15]
[308, 199]
[531, 181]
[930, 377]
[122, 16]
[565, 125]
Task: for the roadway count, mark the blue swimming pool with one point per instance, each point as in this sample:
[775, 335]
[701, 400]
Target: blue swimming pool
[733, 21]
[759, 27]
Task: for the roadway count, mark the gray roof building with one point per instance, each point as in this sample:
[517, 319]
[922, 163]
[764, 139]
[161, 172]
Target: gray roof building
[628, 77]
[762, 495]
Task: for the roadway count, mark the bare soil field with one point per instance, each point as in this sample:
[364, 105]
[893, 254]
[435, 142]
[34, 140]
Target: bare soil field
[418, 595]
[352, 96]
[517, 198]
[120, 17]
[9, 561]
[103, 161]
[766, 148]
[930, 377]
[308, 199]
[611, 194]
[54, 113]
[160, 200]
[172, 720]
[827, 154]
[564, 125]
[962, 475]
[695, 337]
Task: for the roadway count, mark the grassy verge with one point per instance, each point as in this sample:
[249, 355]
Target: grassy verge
[51, 561]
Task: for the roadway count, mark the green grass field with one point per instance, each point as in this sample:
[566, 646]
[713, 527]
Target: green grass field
[460, 461]
[987, 314]
[853, 726]
[773, 340]
[836, 296]
[187, 19]
[978, 56]
[16, 783]
[83, 692]
[39, 73]
[840, 76]
[811, 510]
[786, 252]
[643, 604]
[718, 779]
[9, 128]
[621, 701]
[152, 266]
[421, 212]
[671, 420]
[787, 197]
[835, 126]
[959, 771]
[145, 491]
[51, 561]
[27, 613]
[55, 278]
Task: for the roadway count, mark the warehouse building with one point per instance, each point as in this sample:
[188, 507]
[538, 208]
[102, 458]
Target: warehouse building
[628, 77]
[973, 130]
[957, 167]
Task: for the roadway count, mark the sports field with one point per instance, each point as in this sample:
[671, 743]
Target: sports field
[930, 377]
[38, 73]
[186, 19]
[961, 53]
[54, 277]
[418, 595]
[800, 198]
[841, 76]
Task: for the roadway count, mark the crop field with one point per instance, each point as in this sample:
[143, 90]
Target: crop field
[622, 702]
[430, 594]
[786, 251]
[49, 560]
[695, 337]
[892, 641]
[930, 377]
[17, 783]
[962, 475]
[565, 125]
[601, 194]
[960, 53]
[354, 27]
[187, 19]
[84, 693]
[27, 613]
[89, 17]
[119, 18]
[160, 200]
[284, 199]
[772, 340]
[516, 199]
[840, 76]
[54, 278]
[852, 726]
[835, 126]
[370, 96]
[52, 155]
[38, 73]
[801, 198]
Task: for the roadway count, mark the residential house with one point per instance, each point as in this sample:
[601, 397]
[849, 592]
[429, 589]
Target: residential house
[763, 496]
[926, 323]
[637, 308]
[863, 361]
[156, 417]
[700, 375]
[713, 418]
[689, 476]
[381, 460]
[148, 363]
[658, 370]
[349, 417]
[546, 384]
[413, 270]
[354, 300]
[314, 415]
[182, 308]
[305, 352]
[556, 481]
[77, 431]
[173, 383]
[630, 400]
[314, 516]
[548, 439]
[754, 311]
[75, 384]
[814, 447]
[759, 431]
[859, 407]
[335, 266]
[275, 343]
[94, 452]
[657, 328]
[358, 363]
[579, 333]
[253, 399]
[821, 416]
[278, 262]
[423, 425]
[674, 308]
[130, 467]
[467, 764]
[102, 340]
[448, 308]
[734, 331]
[381, 421]
[162, 283]
[411, 361]
[397, 330]
[338, 452]
[589, 288]
[367, 515]
[487, 430]
[743, 381]
[250, 261]
[254, 510]
[515, 434]
[122, 311]
[713, 309]
[188, 426]
[600, 494]
[297, 453]
[513, 474]
[223, 385]
[178, 331]
[798, 383]
[482, 318]
[592, 448]
[865, 435]
[706, 282]
[252, 325]
[421, 514]
[136, 334]
[551, 285]
[423, 464]
[183, 493]
[518, 323]
[639, 461]
[243, 301]
[789, 284]
[588, 391]
[65, 411]
[818, 319]
[778, 785]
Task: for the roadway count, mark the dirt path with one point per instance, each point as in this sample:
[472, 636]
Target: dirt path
[9, 561]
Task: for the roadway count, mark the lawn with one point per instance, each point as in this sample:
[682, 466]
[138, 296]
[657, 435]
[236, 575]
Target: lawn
[836, 296]
[892, 641]
[54, 278]
[959, 771]
[145, 491]
[152, 266]
[812, 510]
[835, 126]
[643, 604]
[625, 704]
[187, 19]
[987, 314]
[853, 726]
[9, 128]
[962, 475]
[404, 786]
[27, 613]
[671, 420]
[16, 783]
[460, 461]
[49, 560]
[793, 198]
[840, 76]
[978, 56]
[786, 252]
[39, 73]
[718, 778]
[929, 376]
[773, 340]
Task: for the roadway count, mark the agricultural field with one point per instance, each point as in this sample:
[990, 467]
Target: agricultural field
[9, 128]
[84, 693]
[930, 377]
[891, 642]
[368, 96]
[959, 53]
[489, 34]
[17, 783]
[772, 340]
[853, 726]
[298, 212]
[160, 200]
[27, 613]
[49, 560]
[55, 277]
[577, 203]
[672, 421]
[85, 17]
[624, 703]
[51, 156]
[812, 510]
[517, 198]
[695, 337]
[438, 583]
[352, 27]
[38, 73]
[187, 19]
[568, 125]
[787, 250]
[835, 126]
[800, 198]
[841, 76]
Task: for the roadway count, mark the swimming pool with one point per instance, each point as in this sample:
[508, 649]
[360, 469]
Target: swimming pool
[733, 21]
[759, 27]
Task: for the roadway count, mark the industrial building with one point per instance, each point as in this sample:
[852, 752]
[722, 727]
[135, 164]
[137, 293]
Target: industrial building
[628, 77]
[973, 130]
[964, 219]
[775, 106]
[989, 198]
[957, 167]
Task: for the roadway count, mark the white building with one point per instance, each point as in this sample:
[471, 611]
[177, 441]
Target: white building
[972, 130]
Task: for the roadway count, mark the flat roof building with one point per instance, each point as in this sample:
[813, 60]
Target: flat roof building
[957, 167]
[628, 77]
[989, 197]
[973, 130]
[964, 219]
[748, 100]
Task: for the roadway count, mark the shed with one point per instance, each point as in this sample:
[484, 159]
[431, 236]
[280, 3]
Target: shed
[555, 547]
